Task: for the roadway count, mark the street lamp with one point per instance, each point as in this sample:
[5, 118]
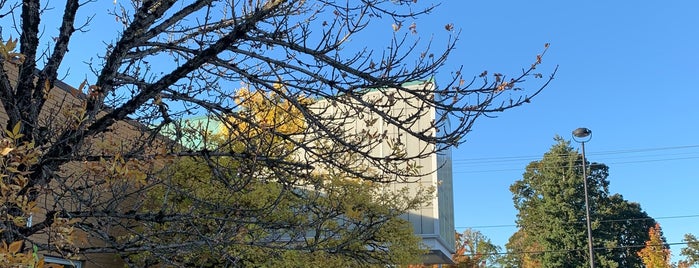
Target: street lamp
[584, 135]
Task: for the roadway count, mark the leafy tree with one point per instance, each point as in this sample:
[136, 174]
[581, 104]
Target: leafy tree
[656, 253]
[551, 218]
[690, 252]
[99, 150]
[521, 251]
[260, 234]
[329, 219]
[13, 156]
[473, 249]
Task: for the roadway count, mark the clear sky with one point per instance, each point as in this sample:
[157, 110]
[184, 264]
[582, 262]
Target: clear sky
[627, 71]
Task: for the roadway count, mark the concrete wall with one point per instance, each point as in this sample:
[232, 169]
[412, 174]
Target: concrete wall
[433, 222]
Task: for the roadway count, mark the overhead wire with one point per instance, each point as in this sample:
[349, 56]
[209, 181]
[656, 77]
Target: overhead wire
[611, 152]
[582, 221]
[521, 161]
[575, 249]
[581, 249]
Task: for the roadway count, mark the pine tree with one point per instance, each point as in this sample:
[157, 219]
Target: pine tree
[551, 203]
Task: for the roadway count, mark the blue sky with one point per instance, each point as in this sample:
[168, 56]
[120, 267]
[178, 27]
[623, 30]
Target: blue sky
[627, 72]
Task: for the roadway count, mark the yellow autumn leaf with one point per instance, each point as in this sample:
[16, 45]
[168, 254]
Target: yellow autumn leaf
[5, 151]
[14, 134]
[16, 129]
[10, 45]
[19, 221]
[7, 47]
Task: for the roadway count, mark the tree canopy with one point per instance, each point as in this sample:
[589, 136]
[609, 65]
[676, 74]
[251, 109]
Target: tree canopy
[551, 217]
[656, 253]
[326, 219]
[474, 250]
[690, 252]
[80, 161]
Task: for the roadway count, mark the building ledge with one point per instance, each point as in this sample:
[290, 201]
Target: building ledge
[439, 252]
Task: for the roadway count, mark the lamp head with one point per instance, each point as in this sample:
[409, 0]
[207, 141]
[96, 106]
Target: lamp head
[582, 135]
[582, 132]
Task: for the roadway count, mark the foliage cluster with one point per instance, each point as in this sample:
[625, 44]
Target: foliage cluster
[272, 218]
[95, 162]
[551, 219]
[656, 253]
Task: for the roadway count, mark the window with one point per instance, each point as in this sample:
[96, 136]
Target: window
[66, 263]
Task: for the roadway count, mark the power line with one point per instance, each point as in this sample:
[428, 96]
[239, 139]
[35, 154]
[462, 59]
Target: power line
[484, 163]
[612, 152]
[576, 222]
[505, 159]
[645, 150]
[576, 249]
[607, 163]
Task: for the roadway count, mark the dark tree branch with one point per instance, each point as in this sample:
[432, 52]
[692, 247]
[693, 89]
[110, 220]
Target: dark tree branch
[343, 122]
[49, 74]
[16, 107]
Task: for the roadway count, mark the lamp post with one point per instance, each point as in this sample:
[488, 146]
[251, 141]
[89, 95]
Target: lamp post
[584, 135]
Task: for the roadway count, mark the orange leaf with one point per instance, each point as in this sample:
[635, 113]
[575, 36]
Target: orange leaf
[15, 247]
[82, 85]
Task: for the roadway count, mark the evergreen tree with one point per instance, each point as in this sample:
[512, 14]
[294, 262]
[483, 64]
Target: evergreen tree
[550, 199]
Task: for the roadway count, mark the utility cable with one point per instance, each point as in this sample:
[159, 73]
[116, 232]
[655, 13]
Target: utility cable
[613, 152]
[577, 249]
[580, 222]
[524, 160]
[607, 163]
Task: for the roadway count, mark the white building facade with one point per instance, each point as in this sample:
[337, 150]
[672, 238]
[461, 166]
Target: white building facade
[433, 222]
